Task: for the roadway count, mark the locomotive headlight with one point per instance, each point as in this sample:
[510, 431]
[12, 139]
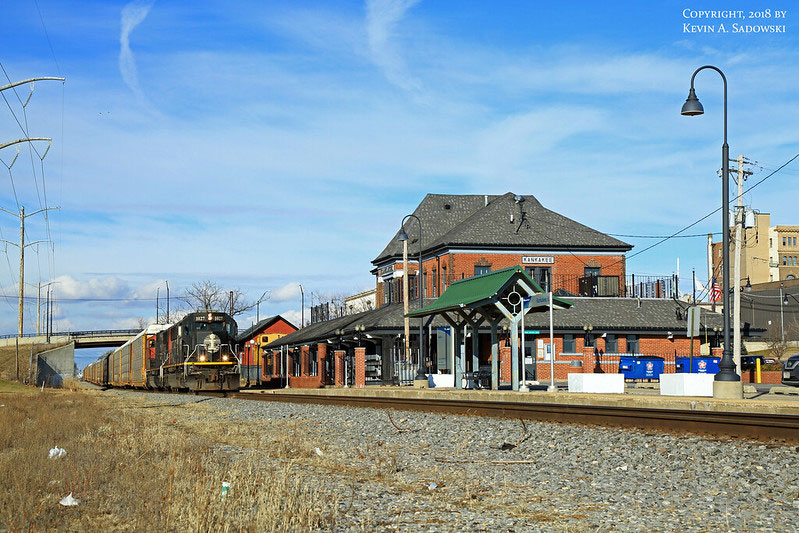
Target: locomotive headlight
[224, 357]
[202, 358]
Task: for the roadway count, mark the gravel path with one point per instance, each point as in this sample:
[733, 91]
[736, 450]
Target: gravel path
[450, 473]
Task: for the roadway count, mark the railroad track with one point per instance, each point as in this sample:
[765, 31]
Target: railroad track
[730, 424]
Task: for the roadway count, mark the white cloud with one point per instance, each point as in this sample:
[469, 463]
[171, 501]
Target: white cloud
[105, 287]
[133, 14]
[289, 291]
[382, 17]
[293, 316]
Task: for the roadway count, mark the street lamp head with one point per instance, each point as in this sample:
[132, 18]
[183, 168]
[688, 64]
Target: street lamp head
[785, 301]
[748, 285]
[402, 237]
[692, 105]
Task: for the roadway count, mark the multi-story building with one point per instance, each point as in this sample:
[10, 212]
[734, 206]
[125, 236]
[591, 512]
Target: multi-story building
[467, 235]
[768, 253]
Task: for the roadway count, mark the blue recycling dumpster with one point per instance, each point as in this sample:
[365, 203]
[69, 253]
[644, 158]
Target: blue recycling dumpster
[702, 365]
[627, 366]
[648, 367]
[641, 366]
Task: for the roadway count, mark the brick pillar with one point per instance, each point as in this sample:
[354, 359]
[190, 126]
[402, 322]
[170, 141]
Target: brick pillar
[290, 362]
[275, 363]
[360, 367]
[305, 355]
[504, 364]
[338, 360]
[321, 355]
[589, 361]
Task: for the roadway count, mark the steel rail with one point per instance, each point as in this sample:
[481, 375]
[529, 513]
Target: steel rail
[718, 423]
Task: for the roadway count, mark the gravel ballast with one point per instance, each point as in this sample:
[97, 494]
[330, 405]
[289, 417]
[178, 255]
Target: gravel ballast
[411, 470]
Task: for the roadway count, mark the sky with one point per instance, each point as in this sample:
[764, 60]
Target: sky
[263, 145]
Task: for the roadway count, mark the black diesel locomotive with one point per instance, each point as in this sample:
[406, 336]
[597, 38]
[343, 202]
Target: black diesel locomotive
[197, 353]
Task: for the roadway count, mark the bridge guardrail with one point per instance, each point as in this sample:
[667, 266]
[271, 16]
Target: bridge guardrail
[87, 333]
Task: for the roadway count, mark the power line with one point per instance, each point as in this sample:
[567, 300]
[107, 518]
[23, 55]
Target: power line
[660, 236]
[47, 35]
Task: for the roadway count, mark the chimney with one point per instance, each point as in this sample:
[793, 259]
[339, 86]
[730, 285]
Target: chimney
[485, 200]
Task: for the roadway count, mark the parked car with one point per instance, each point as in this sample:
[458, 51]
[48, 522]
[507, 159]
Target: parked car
[790, 370]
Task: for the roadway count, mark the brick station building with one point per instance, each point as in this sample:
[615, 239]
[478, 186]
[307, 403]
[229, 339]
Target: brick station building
[470, 235]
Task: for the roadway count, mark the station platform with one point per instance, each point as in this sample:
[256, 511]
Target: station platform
[643, 398]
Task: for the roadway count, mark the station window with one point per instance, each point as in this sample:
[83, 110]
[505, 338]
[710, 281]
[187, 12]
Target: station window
[480, 270]
[592, 272]
[435, 282]
[784, 260]
[443, 278]
[632, 344]
[794, 241]
[611, 343]
[569, 346]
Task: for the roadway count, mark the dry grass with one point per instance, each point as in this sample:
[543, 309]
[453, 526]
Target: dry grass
[142, 470]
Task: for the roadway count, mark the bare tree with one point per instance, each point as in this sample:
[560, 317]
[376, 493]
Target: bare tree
[141, 323]
[206, 295]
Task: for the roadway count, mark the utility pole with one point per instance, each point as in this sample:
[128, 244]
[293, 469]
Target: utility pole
[39, 307]
[21, 245]
[22, 215]
[739, 222]
[167, 301]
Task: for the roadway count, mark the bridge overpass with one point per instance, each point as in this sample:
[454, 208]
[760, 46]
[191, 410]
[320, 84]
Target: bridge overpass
[106, 338]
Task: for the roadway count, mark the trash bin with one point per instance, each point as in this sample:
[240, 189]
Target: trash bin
[702, 365]
[649, 367]
[627, 366]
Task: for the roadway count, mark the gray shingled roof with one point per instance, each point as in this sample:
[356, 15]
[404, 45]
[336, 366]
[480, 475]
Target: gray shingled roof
[485, 221]
[609, 314]
[603, 314]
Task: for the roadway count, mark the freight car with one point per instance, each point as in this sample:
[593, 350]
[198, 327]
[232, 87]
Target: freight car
[197, 353]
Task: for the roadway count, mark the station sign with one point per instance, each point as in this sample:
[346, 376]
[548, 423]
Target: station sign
[538, 260]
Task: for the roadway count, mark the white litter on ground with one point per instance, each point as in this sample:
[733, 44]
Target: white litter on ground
[69, 501]
[432, 486]
[318, 452]
[57, 453]
[226, 485]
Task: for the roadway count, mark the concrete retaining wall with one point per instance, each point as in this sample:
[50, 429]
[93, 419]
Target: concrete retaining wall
[55, 365]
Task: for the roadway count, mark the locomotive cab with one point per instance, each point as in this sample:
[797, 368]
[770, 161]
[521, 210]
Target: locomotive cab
[199, 353]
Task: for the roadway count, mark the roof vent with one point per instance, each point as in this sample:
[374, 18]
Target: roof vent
[519, 198]
[447, 207]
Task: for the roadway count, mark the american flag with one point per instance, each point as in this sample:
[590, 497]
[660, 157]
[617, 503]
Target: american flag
[715, 292]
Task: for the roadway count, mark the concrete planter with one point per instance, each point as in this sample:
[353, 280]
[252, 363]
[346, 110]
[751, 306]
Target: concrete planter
[441, 380]
[597, 383]
[686, 384]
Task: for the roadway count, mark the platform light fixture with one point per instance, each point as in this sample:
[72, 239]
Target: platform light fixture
[403, 238]
[693, 107]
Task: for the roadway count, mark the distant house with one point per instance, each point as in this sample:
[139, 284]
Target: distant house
[363, 301]
[252, 340]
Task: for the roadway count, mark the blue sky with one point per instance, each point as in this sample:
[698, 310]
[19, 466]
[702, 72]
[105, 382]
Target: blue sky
[267, 144]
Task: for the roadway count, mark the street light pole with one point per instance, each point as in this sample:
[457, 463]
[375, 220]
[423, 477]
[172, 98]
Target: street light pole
[420, 374]
[302, 305]
[782, 323]
[727, 382]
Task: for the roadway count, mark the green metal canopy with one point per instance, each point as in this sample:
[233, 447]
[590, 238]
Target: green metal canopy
[504, 294]
[486, 289]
